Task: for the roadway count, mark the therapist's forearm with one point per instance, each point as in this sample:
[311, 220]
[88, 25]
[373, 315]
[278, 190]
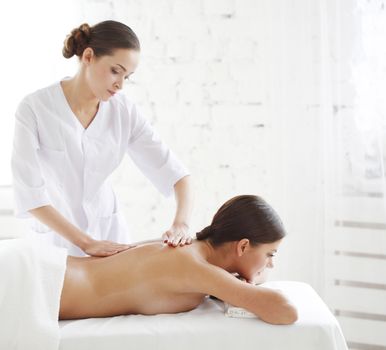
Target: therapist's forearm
[49, 216]
[183, 190]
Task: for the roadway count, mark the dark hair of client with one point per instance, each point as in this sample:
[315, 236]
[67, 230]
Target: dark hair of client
[245, 216]
[103, 38]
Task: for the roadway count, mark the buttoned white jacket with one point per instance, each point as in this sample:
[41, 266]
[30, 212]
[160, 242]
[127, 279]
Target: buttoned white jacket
[56, 161]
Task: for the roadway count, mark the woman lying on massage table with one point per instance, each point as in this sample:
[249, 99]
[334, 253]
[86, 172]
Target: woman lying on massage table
[153, 278]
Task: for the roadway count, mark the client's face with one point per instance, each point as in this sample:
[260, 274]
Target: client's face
[255, 259]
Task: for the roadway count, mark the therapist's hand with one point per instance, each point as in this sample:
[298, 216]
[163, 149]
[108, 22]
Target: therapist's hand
[177, 235]
[104, 248]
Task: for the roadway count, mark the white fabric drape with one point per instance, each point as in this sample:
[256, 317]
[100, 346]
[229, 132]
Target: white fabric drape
[354, 143]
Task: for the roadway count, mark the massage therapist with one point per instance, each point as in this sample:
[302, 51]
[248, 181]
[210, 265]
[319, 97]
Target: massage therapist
[71, 135]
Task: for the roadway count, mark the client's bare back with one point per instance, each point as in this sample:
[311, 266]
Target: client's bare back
[148, 279]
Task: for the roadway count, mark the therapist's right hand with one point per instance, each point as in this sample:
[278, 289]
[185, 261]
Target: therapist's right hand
[104, 248]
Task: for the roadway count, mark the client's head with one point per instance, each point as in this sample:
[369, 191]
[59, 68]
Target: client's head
[248, 232]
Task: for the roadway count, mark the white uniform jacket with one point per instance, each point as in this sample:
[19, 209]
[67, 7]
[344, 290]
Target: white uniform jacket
[56, 161]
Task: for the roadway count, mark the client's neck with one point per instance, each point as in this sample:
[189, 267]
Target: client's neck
[219, 256]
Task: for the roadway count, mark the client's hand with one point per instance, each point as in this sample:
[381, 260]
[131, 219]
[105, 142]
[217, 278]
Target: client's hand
[104, 248]
[177, 235]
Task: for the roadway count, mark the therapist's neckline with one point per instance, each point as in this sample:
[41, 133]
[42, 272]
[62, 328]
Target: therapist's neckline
[71, 111]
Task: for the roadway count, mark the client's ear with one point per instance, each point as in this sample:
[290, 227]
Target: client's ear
[242, 246]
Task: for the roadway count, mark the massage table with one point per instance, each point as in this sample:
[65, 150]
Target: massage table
[207, 327]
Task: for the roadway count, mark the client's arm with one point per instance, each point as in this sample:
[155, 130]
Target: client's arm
[269, 305]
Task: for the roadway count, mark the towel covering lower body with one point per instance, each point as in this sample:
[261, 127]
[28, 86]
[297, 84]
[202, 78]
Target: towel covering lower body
[31, 281]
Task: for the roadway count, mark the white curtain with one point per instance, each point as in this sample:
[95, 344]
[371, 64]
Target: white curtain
[354, 129]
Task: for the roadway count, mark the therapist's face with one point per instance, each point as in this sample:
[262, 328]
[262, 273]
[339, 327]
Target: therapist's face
[253, 260]
[105, 75]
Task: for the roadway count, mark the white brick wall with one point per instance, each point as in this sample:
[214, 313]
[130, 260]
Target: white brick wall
[223, 82]
[233, 86]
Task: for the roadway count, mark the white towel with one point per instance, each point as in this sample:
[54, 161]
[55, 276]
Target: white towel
[238, 312]
[31, 281]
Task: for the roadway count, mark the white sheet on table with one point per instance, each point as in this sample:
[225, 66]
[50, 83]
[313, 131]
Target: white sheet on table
[31, 279]
[208, 328]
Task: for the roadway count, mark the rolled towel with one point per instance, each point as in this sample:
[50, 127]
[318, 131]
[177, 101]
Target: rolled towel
[234, 311]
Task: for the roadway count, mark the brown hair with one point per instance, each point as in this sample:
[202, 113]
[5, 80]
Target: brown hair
[103, 38]
[245, 216]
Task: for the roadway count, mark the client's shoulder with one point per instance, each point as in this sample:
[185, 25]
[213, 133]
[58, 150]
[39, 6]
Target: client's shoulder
[196, 272]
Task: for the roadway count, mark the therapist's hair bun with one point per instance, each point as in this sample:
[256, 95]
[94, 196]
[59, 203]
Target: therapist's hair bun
[245, 216]
[77, 41]
[103, 38]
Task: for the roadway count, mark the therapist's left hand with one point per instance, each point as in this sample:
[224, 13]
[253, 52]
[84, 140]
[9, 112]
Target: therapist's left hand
[177, 235]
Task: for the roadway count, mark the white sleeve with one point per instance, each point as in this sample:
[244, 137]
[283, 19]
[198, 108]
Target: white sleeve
[28, 183]
[155, 160]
